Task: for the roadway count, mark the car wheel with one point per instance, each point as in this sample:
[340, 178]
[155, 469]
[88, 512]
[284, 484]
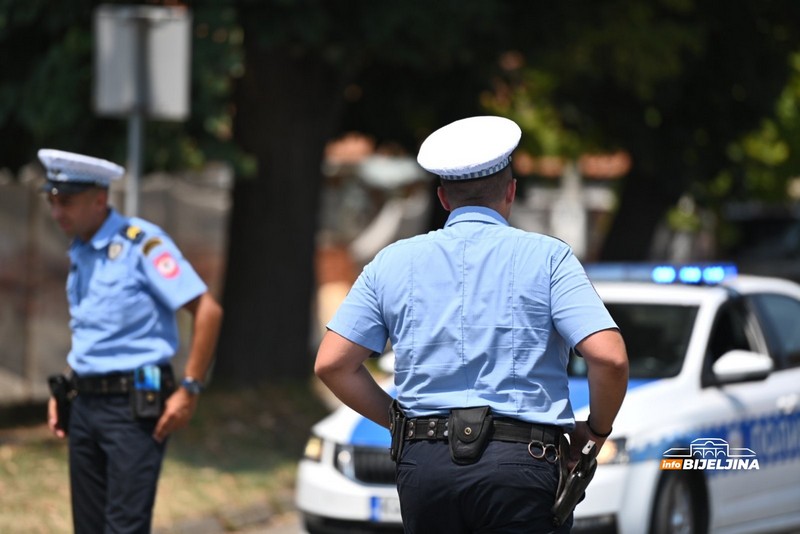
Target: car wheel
[679, 506]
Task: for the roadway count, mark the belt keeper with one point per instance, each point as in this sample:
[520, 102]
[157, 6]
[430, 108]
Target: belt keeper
[431, 429]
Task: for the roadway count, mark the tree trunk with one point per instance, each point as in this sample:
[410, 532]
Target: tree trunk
[287, 108]
[641, 208]
[655, 183]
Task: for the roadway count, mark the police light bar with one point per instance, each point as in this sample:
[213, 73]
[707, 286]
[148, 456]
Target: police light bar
[694, 274]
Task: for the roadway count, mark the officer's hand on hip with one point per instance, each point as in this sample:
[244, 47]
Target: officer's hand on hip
[178, 410]
[577, 440]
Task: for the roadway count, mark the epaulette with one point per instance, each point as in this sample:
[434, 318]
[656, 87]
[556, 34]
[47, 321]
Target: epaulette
[133, 233]
[150, 244]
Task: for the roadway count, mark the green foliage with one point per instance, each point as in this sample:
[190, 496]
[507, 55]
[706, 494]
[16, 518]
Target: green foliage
[699, 95]
[769, 156]
[526, 95]
[688, 87]
[49, 100]
[46, 89]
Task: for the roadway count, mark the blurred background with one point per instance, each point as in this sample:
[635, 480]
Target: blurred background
[276, 141]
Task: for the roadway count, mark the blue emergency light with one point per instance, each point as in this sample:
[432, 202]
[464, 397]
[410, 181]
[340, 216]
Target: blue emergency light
[691, 274]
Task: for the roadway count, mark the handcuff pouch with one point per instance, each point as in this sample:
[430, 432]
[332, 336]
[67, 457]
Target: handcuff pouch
[469, 431]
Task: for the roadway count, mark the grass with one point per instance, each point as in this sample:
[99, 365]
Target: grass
[239, 453]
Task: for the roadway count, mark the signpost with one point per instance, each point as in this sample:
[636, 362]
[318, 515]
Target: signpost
[141, 66]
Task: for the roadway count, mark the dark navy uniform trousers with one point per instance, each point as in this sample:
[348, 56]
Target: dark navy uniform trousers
[114, 466]
[506, 491]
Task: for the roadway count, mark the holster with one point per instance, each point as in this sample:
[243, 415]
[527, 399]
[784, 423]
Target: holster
[469, 430]
[573, 489]
[63, 391]
[397, 425]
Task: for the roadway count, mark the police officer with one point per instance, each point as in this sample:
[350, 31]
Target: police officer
[481, 317]
[126, 282]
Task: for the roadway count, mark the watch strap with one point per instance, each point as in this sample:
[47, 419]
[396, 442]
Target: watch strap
[191, 385]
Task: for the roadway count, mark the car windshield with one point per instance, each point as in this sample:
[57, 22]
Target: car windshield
[656, 337]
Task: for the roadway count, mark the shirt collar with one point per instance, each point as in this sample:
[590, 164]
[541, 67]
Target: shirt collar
[475, 214]
[111, 226]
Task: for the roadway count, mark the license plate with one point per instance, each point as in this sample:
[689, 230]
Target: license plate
[385, 509]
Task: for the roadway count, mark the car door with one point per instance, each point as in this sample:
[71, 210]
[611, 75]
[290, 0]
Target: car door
[756, 416]
[777, 435]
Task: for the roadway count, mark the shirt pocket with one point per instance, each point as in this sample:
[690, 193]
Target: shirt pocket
[115, 295]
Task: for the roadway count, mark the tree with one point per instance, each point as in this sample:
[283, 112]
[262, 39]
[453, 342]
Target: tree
[657, 80]
[674, 83]
[46, 86]
[301, 57]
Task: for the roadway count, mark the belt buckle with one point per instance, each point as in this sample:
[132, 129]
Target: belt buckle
[547, 452]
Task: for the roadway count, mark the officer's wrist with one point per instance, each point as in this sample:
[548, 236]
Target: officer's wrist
[595, 432]
[192, 385]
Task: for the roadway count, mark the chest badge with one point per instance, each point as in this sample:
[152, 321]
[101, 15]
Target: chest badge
[113, 250]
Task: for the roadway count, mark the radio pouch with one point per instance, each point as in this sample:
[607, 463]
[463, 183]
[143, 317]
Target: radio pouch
[469, 430]
[146, 395]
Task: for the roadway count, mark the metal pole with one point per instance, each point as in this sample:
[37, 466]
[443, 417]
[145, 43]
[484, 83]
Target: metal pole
[136, 120]
[134, 168]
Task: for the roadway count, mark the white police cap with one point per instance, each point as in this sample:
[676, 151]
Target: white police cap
[470, 148]
[68, 172]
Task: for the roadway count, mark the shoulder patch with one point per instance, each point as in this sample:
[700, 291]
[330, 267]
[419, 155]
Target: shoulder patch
[134, 233]
[150, 244]
[166, 265]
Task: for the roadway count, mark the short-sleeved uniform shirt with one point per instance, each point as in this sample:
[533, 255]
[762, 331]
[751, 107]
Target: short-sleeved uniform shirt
[478, 313]
[124, 287]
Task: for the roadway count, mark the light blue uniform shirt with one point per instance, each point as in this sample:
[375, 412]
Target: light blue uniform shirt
[123, 293]
[478, 313]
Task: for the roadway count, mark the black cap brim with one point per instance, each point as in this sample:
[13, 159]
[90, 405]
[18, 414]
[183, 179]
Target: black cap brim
[66, 188]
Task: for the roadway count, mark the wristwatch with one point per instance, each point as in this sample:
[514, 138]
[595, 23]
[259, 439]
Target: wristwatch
[191, 385]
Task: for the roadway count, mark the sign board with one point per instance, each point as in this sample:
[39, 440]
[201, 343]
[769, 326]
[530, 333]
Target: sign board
[142, 57]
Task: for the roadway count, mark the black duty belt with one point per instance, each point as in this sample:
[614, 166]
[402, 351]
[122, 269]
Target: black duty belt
[117, 383]
[504, 429]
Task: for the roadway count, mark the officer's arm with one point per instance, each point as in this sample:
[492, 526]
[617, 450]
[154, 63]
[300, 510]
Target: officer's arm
[340, 365]
[207, 321]
[180, 406]
[607, 363]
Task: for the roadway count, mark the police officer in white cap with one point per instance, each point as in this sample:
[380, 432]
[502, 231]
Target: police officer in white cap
[120, 399]
[481, 317]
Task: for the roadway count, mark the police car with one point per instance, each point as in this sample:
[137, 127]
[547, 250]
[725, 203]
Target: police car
[707, 440]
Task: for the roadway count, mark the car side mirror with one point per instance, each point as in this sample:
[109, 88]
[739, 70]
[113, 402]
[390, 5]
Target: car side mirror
[741, 366]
